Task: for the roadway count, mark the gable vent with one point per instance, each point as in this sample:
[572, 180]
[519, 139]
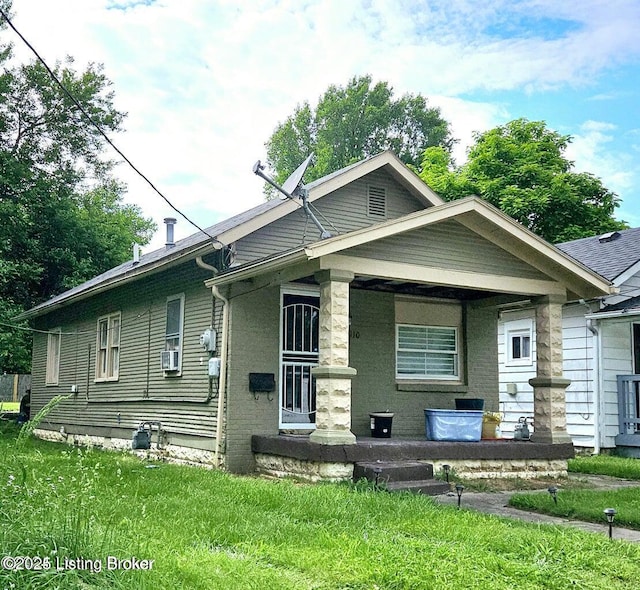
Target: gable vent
[377, 202]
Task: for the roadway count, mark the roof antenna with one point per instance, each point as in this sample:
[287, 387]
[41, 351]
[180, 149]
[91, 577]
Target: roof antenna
[293, 188]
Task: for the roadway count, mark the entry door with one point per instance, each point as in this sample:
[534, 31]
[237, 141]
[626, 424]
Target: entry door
[299, 353]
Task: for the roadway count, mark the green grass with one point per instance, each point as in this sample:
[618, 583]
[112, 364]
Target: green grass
[206, 529]
[9, 406]
[621, 467]
[589, 504]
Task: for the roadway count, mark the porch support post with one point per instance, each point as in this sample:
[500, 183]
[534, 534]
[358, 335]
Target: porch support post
[549, 403]
[333, 374]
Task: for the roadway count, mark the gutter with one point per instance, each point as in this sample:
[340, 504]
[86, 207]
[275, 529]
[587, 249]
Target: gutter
[592, 326]
[222, 382]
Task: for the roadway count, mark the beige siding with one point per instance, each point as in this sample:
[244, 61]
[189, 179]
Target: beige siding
[340, 212]
[447, 245]
[482, 353]
[142, 391]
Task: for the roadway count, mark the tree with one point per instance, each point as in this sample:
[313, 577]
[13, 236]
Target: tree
[354, 122]
[62, 219]
[521, 168]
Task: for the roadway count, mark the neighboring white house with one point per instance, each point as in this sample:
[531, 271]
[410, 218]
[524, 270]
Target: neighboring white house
[601, 341]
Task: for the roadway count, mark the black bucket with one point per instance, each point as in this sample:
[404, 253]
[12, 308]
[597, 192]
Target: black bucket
[469, 403]
[381, 424]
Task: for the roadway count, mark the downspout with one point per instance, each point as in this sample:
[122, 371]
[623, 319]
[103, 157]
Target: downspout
[598, 382]
[222, 383]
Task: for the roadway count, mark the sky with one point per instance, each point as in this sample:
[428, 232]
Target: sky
[205, 82]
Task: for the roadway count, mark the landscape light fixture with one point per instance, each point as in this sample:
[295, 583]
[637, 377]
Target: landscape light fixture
[377, 471]
[610, 513]
[459, 489]
[553, 490]
[446, 469]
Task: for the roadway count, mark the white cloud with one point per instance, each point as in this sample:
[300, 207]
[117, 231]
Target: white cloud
[205, 83]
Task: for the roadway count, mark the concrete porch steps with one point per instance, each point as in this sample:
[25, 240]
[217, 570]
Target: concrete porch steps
[413, 476]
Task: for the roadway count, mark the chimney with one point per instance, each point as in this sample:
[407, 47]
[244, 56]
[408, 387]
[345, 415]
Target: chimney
[136, 253]
[170, 222]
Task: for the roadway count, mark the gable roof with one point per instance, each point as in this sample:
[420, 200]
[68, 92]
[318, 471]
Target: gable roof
[238, 226]
[472, 212]
[609, 259]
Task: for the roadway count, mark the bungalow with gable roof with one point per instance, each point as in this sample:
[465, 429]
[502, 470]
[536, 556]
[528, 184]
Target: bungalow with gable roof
[261, 345]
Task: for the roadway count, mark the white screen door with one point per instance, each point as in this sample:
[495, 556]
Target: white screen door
[299, 353]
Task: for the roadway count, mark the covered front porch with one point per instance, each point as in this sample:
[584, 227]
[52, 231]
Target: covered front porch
[406, 320]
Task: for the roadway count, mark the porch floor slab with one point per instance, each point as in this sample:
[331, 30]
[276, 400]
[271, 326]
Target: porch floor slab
[367, 449]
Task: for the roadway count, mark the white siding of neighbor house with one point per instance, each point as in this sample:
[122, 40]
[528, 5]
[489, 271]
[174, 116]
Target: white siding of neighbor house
[578, 366]
[616, 338]
[590, 396]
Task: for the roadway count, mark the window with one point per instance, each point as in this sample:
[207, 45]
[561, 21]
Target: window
[426, 352]
[108, 348]
[53, 357]
[173, 333]
[518, 343]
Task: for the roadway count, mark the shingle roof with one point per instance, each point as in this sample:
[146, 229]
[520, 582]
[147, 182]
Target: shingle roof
[609, 258]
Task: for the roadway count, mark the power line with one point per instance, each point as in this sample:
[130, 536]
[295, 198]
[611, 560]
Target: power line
[104, 135]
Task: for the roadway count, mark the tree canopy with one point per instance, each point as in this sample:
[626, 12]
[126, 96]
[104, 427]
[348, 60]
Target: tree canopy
[522, 169]
[354, 122]
[62, 216]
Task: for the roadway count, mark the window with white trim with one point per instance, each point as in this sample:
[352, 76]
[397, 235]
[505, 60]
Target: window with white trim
[53, 357]
[174, 332]
[427, 352]
[108, 348]
[519, 343]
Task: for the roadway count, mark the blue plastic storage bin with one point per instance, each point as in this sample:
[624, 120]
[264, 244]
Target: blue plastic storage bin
[453, 425]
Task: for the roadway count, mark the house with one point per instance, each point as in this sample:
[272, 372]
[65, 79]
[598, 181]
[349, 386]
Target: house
[601, 342]
[261, 345]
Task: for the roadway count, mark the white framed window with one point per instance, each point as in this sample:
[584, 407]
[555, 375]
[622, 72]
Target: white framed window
[53, 357]
[519, 343]
[172, 356]
[108, 347]
[427, 352]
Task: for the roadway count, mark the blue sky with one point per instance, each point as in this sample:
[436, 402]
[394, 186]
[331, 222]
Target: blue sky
[205, 83]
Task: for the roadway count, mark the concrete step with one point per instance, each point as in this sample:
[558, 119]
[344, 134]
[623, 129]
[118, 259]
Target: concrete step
[428, 487]
[391, 471]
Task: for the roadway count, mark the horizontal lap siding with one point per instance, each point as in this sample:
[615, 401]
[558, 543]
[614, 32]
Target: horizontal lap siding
[142, 392]
[342, 211]
[448, 245]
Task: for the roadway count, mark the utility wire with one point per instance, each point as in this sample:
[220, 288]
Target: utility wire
[106, 137]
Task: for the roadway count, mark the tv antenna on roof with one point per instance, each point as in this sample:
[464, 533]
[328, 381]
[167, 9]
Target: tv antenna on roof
[292, 188]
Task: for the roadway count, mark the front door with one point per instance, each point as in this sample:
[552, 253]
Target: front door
[298, 354]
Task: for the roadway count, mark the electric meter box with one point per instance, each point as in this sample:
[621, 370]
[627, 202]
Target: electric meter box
[208, 340]
[214, 367]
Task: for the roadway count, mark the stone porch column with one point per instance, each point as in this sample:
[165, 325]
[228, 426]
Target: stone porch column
[549, 403]
[333, 373]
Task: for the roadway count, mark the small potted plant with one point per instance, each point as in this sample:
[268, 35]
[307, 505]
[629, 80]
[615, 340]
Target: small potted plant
[490, 423]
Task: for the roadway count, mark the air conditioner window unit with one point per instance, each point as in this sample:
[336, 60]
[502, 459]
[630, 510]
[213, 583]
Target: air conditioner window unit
[170, 360]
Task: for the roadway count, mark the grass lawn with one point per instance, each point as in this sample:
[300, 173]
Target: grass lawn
[589, 504]
[206, 529]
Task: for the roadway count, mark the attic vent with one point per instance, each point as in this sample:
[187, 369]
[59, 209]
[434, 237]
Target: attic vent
[377, 202]
[609, 237]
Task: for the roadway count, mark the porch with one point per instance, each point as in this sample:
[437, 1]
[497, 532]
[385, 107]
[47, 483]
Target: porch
[628, 438]
[296, 455]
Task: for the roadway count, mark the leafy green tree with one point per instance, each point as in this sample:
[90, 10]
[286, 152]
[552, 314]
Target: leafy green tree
[354, 122]
[521, 168]
[62, 218]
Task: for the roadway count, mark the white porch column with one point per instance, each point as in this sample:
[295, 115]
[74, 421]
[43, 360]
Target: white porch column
[549, 402]
[333, 374]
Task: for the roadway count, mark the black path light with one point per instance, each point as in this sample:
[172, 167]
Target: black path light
[377, 471]
[446, 468]
[610, 513]
[459, 489]
[553, 490]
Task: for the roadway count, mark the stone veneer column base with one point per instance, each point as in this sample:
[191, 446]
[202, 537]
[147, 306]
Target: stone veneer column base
[550, 419]
[332, 437]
